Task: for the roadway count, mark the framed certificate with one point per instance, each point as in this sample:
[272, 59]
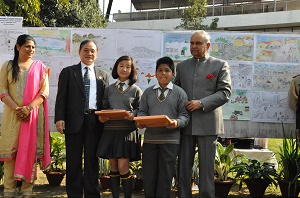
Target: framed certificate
[153, 121]
[113, 114]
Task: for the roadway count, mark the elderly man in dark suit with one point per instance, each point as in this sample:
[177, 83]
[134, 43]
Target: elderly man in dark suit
[79, 95]
[207, 83]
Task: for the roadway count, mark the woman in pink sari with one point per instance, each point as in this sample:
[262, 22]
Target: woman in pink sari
[24, 140]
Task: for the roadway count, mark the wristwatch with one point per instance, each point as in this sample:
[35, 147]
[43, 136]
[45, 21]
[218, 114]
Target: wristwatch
[201, 104]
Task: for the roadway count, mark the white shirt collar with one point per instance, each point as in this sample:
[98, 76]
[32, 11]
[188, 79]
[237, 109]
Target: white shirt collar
[169, 86]
[91, 67]
[126, 82]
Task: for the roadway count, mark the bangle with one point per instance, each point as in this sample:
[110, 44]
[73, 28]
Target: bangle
[43, 97]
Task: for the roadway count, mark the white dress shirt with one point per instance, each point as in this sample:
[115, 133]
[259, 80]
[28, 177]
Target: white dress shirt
[125, 86]
[93, 85]
[169, 86]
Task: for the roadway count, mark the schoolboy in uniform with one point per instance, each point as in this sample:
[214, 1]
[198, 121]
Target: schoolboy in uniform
[161, 144]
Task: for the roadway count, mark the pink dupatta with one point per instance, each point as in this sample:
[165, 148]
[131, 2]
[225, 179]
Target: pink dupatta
[26, 155]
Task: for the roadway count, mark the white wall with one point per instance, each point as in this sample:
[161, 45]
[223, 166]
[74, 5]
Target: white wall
[260, 21]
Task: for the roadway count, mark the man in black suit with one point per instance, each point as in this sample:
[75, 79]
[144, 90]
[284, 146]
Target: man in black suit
[79, 95]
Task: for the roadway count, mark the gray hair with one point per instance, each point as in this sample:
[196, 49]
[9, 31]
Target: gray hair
[203, 33]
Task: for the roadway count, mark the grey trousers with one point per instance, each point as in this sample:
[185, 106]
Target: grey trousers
[206, 155]
[159, 161]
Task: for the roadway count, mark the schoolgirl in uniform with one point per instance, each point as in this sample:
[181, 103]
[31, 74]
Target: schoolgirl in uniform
[120, 142]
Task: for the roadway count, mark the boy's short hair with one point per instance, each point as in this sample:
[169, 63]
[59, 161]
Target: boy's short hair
[165, 60]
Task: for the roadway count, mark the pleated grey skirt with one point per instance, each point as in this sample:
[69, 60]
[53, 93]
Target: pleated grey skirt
[120, 144]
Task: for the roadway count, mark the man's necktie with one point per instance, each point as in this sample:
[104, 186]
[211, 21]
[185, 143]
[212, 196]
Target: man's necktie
[162, 91]
[86, 81]
[121, 84]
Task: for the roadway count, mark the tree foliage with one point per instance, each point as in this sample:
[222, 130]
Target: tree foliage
[72, 13]
[88, 14]
[55, 13]
[28, 9]
[52, 10]
[3, 8]
[193, 16]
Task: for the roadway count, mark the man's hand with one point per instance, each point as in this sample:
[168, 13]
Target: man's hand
[60, 126]
[193, 105]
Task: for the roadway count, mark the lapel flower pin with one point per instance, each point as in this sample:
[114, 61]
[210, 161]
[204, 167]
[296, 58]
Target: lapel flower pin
[210, 76]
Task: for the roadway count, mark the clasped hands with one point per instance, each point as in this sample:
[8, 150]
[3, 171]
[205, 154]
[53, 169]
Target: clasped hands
[23, 113]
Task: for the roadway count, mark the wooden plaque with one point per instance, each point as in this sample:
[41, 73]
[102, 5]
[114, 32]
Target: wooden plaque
[113, 114]
[153, 121]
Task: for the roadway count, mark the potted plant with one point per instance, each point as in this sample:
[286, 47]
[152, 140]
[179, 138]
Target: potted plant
[56, 171]
[257, 176]
[289, 164]
[224, 166]
[137, 169]
[104, 173]
[195, 171]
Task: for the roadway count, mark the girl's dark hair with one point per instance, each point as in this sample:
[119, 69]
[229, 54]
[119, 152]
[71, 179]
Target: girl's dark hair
[87, 41]
[133, 75]
[165, 60]
[21, 40]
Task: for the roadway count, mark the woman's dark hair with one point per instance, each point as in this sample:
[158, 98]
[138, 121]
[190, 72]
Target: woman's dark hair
[87, 41]
[21, 40]
[133, 75]
[165, 60]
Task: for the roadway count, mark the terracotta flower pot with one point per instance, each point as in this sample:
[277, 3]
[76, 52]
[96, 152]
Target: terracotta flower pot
[105, 182]
[55, 178]
[138, 184]
[256, 189]
[222, 188]
[285, 191]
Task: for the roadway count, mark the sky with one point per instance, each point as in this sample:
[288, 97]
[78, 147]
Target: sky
[122, 5]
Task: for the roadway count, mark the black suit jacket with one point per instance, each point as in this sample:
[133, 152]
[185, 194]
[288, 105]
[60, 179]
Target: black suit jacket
[69, 105]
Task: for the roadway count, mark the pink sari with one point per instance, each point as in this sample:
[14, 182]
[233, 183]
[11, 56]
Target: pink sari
[26, 156]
